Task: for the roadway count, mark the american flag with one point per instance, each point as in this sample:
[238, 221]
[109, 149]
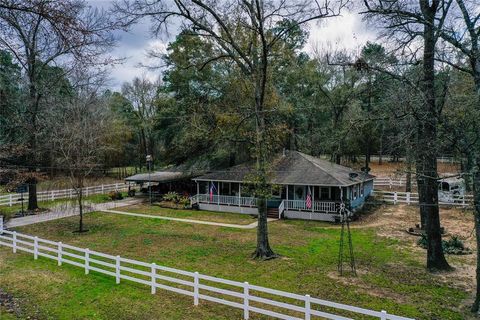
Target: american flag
[308, 201]
[212, 189]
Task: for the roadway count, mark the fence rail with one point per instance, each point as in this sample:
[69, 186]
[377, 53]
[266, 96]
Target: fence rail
[225, 200]
[242, 295]
[412, 198]
[14, 198]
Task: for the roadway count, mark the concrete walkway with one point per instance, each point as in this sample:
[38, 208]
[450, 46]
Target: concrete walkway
[218, 224]
[67, 210]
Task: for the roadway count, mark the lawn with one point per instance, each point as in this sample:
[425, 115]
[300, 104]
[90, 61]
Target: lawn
[222, 217]
[8, 212]
[391, 275]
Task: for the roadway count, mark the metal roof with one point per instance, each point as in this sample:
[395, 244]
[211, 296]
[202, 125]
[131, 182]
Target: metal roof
[294, 168]
[160, 176]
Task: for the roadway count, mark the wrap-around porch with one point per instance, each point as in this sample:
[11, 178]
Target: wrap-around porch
[287, 200]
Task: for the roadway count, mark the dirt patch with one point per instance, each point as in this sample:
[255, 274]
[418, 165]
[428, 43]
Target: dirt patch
[12, 305]
[393, 221]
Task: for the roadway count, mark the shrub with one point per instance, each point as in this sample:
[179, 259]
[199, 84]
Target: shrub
[115, 195]
[452, 246]
[171, 196]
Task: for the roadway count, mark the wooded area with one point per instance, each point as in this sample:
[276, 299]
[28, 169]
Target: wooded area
[236, 84]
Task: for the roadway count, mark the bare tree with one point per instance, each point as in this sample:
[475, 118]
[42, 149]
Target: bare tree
[40, 34]
[406, 21]
[143, 94]
[244, 32]
[465, 56]
[80, 135]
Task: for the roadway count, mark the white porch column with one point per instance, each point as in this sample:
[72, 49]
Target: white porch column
[313, 197]
[198, 187]
[239, 194]
[286, 207]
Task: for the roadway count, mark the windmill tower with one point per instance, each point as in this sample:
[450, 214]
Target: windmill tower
[345, 255]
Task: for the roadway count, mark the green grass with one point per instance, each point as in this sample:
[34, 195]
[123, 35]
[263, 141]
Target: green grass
[8, 212]
[390, 277]
[223, 217]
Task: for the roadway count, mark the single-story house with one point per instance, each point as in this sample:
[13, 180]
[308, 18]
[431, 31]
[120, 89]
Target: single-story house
[306, 188]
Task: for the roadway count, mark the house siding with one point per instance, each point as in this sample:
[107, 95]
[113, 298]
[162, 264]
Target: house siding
[358, 203]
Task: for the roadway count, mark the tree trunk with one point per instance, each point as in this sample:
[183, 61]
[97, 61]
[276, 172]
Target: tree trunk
[32, 194]
[80, 210]
[427, 174]
[476, 199]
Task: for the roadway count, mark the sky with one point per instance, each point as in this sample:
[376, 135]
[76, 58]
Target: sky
[347, 31]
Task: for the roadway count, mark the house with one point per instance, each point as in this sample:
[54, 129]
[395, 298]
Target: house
[298, 177]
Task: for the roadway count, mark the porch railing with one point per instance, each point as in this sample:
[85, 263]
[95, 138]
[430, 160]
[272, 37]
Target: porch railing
[225, 200]
[317, 206]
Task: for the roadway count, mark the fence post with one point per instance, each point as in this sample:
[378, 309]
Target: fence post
[10, 202]
[307, 307]
[52, 195]
[14, 248]
[408, 197]
[195, 288]
[154, 280]
[246, 313]
[102, 189]
[383, 315]
[87, 258]
[117, 270]
[395, 197]
[1, 224]
[390, 182]
[59, 253]
[35, 248]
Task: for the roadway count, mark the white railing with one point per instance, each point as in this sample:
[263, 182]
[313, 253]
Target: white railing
[225, 200]
[241, 295]
[317, 206]
[14, 198]
[412, 198]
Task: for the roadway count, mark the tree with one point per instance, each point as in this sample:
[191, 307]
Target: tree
[405, 22]
[245, 33]
[80, 134]
[39, 34]
[143, 96]
[464, 15]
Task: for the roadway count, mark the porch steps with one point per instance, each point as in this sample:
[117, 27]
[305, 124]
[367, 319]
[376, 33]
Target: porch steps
[272, 213]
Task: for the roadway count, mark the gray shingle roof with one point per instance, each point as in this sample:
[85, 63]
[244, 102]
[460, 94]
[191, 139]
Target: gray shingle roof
[295, 168]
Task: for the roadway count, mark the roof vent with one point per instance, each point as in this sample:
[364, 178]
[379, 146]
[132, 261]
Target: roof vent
[353, 175]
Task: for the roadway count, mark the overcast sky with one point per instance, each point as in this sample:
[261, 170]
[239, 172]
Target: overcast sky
[347, 31]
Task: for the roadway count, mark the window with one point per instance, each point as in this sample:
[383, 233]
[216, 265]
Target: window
[355, 191]
[362, 190]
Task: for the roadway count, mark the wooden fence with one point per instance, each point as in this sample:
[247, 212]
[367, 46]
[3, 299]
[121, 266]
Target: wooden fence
[14, 198]
[242, 295]
[412, 198]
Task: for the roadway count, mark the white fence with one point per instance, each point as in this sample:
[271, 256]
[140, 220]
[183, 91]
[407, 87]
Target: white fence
[389, 182]
[241, 295]
[14, 198]
[412, 198]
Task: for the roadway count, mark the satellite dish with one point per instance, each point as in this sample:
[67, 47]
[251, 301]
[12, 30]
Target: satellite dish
[353, 175]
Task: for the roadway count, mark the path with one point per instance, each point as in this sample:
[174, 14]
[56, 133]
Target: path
[63, 211]
[218, 224]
